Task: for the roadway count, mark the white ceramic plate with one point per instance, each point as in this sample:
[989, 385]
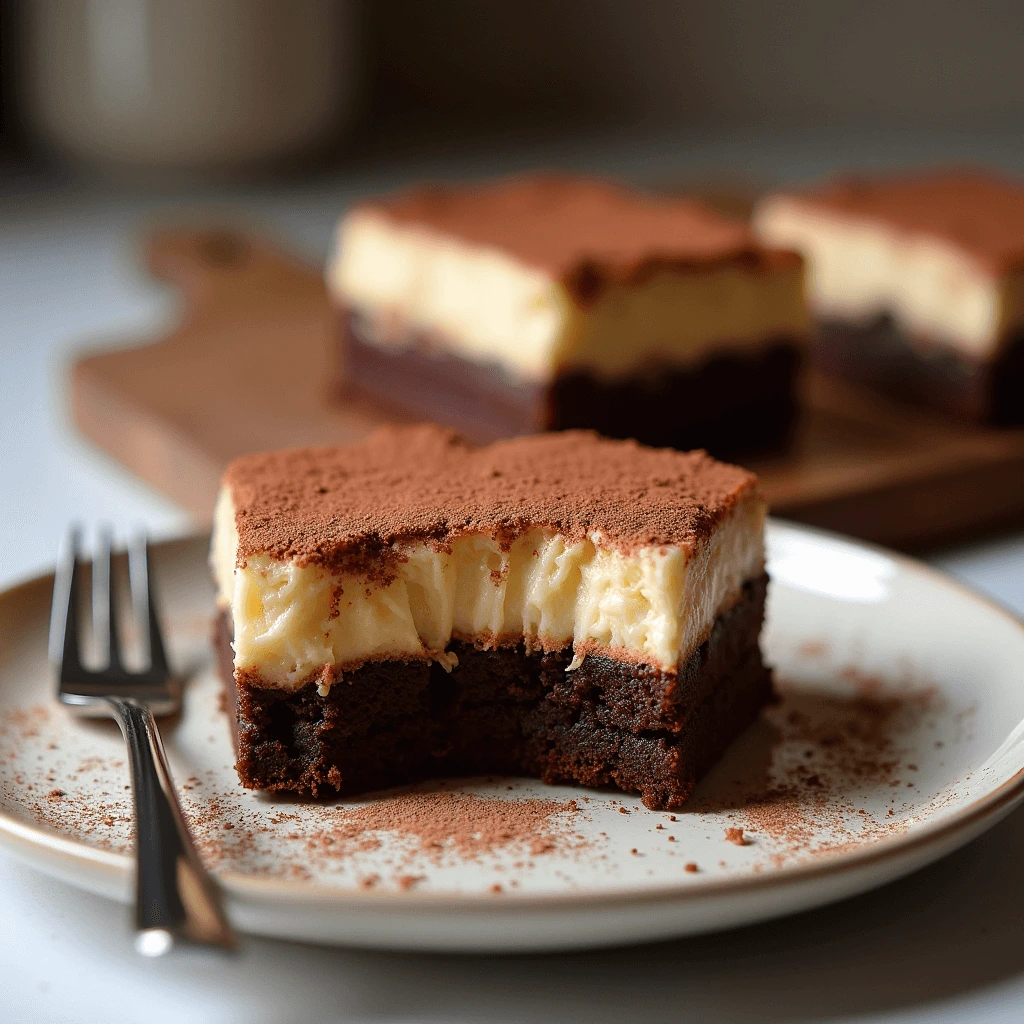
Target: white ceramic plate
[898, 739]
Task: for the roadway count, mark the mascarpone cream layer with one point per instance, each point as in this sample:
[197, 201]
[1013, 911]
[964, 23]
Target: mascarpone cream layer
[654, 605]
[484, 305]
[859, 269]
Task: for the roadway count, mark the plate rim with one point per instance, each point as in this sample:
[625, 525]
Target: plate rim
[239, 885]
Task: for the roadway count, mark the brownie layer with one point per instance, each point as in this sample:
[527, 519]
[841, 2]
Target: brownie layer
[732, 403]
[508, 711]
[883, 356]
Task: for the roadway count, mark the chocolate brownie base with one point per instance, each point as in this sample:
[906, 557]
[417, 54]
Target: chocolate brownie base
[884, 357]
[506, 711]
[733, 403]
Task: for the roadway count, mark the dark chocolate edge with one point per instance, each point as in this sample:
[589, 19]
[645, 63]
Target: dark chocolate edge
[735, 402]
[924, 372]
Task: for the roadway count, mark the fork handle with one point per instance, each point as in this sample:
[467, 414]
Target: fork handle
[175, 898]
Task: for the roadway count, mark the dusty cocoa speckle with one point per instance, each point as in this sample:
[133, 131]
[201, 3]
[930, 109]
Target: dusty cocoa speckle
[816, 759]
[813, 649]
[434, 823]
[857, 744]
[353, 508]
[406, 882]
[979, 212]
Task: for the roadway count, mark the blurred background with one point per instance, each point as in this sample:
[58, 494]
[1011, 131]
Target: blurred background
[119, 116]
[234, 84]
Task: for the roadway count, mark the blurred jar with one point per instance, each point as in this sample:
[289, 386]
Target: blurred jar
[189, 85]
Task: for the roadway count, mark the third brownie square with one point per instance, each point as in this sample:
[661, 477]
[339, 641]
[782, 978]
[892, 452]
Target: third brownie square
[917, 285]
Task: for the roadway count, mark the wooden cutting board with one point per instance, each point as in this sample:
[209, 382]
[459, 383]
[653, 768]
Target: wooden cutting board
[251, 362]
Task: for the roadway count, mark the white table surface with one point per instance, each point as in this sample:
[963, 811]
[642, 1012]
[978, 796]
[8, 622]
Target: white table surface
[946, 944]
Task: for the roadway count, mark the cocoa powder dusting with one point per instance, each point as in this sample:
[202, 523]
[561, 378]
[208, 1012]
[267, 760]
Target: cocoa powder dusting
[812, 758]
[70, 793]
[977, 211]
[441, 822]
[586, 232]
[353, 509]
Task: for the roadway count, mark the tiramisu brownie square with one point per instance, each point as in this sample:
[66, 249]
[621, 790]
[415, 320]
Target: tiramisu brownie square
[547, 303]
[561, 606]
[917, 285]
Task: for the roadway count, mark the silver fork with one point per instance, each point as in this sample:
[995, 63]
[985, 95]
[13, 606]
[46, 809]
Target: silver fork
[174, 896]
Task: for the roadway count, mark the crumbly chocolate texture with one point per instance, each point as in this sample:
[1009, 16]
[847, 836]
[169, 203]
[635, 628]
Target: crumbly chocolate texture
[505, 711]
[350, 508]
[735, 402]
[978, 212]
[586, 233]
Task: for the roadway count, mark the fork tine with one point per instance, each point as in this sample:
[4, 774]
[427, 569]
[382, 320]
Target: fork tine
[67, 582]
[145, 603]
[138, 576]
[104, 610]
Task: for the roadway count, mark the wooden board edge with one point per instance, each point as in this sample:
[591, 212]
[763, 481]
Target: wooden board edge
[153, 449]
[933, 510]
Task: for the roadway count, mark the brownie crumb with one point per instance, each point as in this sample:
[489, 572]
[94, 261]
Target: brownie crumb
[691, 867]
[736, 836]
